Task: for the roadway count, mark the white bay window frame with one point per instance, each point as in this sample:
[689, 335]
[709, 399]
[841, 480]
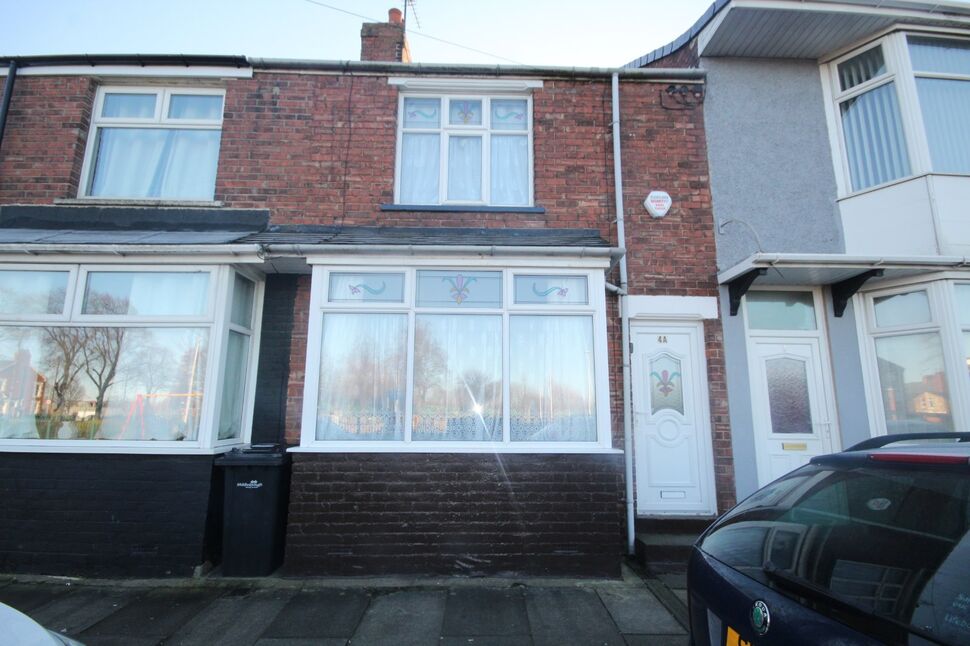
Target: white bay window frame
[899, 71]
[445, 131]
[592, 270]
[944, 321]
[159, 120]
[215, 319]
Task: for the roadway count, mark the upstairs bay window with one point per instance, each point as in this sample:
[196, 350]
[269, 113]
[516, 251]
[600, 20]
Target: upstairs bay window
[431, 358]
[124, 356]
[903, 108]
[466, 150]
[154, 143]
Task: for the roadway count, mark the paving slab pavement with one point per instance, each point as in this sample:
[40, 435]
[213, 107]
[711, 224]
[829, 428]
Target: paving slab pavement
[299, 612]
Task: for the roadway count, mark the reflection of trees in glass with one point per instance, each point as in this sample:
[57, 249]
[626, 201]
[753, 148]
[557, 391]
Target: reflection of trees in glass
[101, 348]
[63, 361]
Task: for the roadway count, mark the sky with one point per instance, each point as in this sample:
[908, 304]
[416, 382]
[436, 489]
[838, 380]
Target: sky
[605, 33]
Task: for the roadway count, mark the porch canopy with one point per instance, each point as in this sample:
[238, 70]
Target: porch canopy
[844, 274]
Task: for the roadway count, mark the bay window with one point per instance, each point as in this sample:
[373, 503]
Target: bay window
[124, 356]
[456, 358]
[154, 143]
[903, 108]
[471, 150]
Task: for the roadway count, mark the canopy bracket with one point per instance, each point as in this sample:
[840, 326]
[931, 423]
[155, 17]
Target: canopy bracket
[740, 285]
[844, 290]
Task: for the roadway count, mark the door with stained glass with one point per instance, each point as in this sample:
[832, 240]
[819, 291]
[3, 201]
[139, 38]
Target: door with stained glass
[672, 438]
[792, 413]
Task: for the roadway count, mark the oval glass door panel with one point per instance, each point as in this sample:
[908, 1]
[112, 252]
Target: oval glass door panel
[788, 396]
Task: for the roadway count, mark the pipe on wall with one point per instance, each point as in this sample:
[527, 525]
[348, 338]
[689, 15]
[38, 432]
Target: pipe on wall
[7, 94]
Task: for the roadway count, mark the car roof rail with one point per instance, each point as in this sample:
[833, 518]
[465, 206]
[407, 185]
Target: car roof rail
[884, 440]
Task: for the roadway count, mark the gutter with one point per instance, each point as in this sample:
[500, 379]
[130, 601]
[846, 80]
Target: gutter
[30, 249]
[624, 322]
[418, 250]
[7, 94]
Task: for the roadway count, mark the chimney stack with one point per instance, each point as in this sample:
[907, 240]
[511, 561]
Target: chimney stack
[385, 41]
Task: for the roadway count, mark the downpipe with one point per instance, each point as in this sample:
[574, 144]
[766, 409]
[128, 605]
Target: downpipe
[7, 94]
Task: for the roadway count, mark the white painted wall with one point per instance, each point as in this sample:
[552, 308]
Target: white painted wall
[951, 197]
[895, 220]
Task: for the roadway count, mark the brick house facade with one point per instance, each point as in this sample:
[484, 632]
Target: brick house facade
[305, 191]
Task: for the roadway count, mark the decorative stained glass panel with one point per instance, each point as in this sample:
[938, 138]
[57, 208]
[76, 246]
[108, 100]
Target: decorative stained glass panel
[554, 290]
[788, 396]
[465, 112]
[666, 384]
[457, 288]
[510, 114]
[366, 287]
[422, 113]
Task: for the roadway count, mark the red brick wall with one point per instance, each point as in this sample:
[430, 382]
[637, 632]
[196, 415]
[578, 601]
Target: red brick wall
[46, 133]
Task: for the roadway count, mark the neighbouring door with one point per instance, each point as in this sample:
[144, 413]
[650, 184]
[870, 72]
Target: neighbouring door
[672, 436]
[792, 408]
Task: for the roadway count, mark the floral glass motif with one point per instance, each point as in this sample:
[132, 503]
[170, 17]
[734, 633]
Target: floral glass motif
[550, 290]
[666, 384]
[373, 287]
[509, 114]
[465, 112]
[422, 113]
[455, 288]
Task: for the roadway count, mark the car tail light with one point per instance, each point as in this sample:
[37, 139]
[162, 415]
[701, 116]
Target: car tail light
[919, 458]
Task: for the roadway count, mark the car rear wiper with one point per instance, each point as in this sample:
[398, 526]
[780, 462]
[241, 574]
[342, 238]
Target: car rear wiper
[810, 590]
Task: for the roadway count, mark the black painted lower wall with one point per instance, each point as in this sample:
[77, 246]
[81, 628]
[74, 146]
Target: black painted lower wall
[464, 514]
[108, 515]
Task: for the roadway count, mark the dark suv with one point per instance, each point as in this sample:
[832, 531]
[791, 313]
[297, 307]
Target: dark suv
[871, 545]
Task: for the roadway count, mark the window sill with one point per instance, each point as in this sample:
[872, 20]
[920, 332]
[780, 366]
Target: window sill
[460, 208]
[60, 446]
[102, 201]
[360, 447]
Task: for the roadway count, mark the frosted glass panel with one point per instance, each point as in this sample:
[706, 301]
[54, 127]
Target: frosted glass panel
[195, 106]
[465, 169]
[874, 140]
[457, 378]
[422, 113]
[243, 294]
[366, 287]
[666, 384]
[780, 310]
[129, 106]
[233, 386]
[859, 69]
[464, 112]
[510, 170]
[912, 381]
[902, 309]
[156, 162]
[946, 118]
[939, 56]
[510, 114]
[788, 398]
[552, 386]
[420, 168]
[102, 383]
[32, 292]
[963, 303]
[554, 290]
[146, 293]
[363, 368]
[454, 288]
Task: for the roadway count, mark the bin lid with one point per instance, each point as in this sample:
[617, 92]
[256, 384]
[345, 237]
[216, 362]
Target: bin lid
[256, 454]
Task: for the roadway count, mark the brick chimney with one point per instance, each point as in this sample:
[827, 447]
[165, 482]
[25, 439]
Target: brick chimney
[385, 41]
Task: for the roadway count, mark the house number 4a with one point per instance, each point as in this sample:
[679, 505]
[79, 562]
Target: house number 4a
[661, 339]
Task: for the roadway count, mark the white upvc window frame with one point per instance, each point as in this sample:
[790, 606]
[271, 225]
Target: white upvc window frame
[445, 131]
[215, 321]
[899, 70]
[944, 321]
[596, 309]
[160, 120]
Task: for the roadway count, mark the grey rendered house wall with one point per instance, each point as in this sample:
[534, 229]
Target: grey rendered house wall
[771, 169]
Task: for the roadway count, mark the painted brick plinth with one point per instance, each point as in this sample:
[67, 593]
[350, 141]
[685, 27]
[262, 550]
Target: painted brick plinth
[107, 515]
[455, 514]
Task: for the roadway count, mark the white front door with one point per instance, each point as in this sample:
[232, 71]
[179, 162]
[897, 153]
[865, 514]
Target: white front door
[672, 436]
[793, 413]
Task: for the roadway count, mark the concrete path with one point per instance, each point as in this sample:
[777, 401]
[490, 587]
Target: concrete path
[287, 612]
